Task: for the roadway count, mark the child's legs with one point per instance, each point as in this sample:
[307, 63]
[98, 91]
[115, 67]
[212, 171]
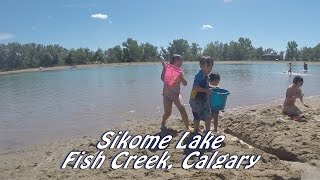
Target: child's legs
[179, 103]
[201, 111]
[207, 124]
[291, 110]
[196, 112]
[215, 116]
[207, 116]
[167, 107]
[196, 126]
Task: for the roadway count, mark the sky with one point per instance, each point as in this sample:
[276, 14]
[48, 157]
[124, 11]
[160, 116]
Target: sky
[107, 23]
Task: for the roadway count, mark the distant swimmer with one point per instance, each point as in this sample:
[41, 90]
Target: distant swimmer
[305, 66]
[290, 68]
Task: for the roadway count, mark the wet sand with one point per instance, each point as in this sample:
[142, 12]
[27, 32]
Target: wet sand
[288, 149]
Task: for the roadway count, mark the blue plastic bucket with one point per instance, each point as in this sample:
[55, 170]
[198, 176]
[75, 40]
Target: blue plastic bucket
[218, 99]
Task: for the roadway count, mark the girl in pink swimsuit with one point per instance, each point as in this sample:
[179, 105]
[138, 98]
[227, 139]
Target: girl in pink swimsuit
[171, 94]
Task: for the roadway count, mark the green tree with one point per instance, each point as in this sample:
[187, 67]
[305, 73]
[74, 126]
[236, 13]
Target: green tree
[316, 51]
[89, 55]
[132, 52]
[259, 53]
[46, 60]
[195, 51]
[179, 46]
[14, 56]
[212, 50]
[98, 56]
[71, 59]
[246, 49]
[114, 54]
[292, 51]
[150, 52]
[307, 54]
[235, 51]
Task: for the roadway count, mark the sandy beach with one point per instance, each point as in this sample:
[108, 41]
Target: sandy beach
[288, 149]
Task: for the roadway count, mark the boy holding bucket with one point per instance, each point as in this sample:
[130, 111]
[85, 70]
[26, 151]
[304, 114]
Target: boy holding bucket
[200, 95]
[171, 89]
[214, 82]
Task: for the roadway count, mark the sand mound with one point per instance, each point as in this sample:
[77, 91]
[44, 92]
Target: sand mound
[266, 129]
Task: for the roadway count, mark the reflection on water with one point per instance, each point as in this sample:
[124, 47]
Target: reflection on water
[46, 106]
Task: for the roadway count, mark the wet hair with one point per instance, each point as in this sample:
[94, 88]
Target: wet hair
[206, 60]
[297, 79]
[175, 58]
[214, 76]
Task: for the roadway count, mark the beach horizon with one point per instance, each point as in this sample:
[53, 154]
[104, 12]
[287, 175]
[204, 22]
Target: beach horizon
[82, 66]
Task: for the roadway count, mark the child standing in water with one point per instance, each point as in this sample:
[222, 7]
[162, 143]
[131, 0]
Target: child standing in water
[200, 92]
[171, 94]
[214, 84]
[290, 68]
[294, 92]
[305, 66]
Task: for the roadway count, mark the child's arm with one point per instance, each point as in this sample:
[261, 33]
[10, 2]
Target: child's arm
[162, 74]
[201, 89]
[183, 79]
[301, 98]
[163, 61]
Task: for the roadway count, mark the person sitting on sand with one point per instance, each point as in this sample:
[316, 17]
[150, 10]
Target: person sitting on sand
[214, 82]
[294, 92]
[173, 95]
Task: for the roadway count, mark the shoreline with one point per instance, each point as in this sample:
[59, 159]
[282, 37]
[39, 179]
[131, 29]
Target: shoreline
[227, 111]
[288, 149]
[57, 68]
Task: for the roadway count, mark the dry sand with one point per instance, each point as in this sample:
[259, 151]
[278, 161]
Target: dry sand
[289, 149]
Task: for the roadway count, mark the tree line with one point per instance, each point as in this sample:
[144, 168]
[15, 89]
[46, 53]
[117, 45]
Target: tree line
[15, 56]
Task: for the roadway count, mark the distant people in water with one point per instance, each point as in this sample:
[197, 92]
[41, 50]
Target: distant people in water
[294, 92]
[73, 66]
[290, 68]
[305, 66]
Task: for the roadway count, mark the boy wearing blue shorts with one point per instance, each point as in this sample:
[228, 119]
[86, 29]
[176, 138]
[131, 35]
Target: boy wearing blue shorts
[199, 98]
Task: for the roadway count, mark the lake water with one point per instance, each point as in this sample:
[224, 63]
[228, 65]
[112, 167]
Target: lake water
[48, 106]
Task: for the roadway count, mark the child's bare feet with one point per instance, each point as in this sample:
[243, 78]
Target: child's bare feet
[300, 118]
[189, 128]
[163, 127]
[200, 126]
[296, 118]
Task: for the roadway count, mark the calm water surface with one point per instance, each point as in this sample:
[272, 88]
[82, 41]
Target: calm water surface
[47, 106]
